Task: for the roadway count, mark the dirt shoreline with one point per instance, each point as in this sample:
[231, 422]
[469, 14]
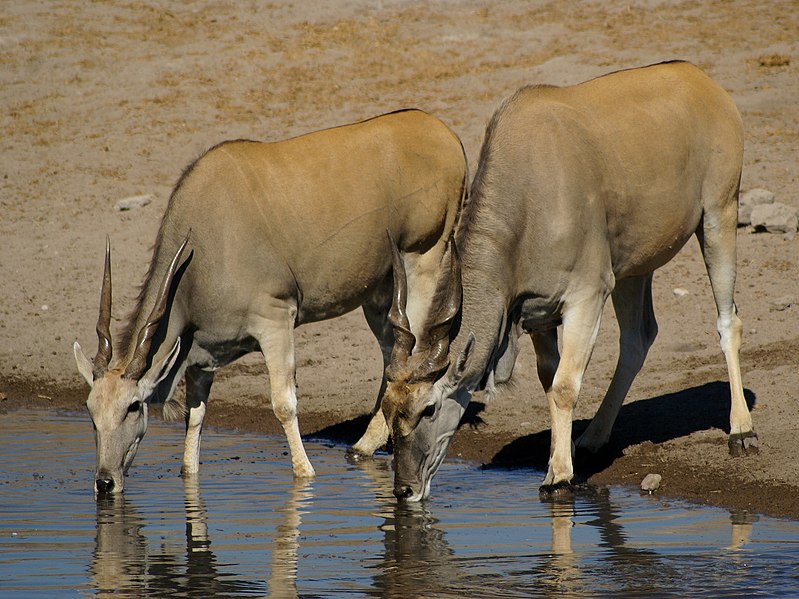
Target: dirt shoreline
[104, 101]
[623, 462]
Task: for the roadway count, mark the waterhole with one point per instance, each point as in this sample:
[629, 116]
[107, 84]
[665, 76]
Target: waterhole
[244, 528]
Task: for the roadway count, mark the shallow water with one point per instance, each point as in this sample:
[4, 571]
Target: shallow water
[246, 529]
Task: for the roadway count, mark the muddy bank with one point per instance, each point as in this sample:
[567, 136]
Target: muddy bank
[633, 452]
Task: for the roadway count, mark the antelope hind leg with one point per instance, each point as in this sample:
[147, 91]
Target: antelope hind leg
[717, 240]
[632, 302]
[421, 270]
[376, 313]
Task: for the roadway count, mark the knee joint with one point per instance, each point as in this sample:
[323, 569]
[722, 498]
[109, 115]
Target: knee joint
[729, 328]
[564, 395]
[284, 413]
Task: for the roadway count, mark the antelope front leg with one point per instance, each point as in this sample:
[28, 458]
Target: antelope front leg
[580, 328]
[276, 337]
[198, 387]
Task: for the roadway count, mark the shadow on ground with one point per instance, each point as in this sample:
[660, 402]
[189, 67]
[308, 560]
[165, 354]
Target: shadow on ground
[349, 431]
[657, 420]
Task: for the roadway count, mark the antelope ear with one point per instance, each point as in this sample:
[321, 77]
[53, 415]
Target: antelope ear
[85, 366]
[463, 360]
[158, 371]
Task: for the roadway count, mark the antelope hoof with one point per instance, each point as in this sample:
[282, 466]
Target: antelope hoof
[304, 471]
[560, 490]
[743, 444]
[355, 455]
[189, 473]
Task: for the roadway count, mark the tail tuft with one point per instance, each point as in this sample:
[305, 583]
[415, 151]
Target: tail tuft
[174, 409]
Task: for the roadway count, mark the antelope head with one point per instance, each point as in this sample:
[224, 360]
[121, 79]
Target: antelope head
[422, 403]
[119, 391]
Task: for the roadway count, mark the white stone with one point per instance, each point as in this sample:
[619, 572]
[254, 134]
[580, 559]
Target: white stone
[133, 202]
[782, 303]
[775, 218]
[651, 483]
[757, 196]
[750, 199]
[680, 292]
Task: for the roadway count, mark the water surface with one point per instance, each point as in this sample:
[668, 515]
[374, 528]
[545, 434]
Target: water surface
[244, 528]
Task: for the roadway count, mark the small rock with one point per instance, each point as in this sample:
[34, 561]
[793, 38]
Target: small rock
[651, 483]
[757, 196]
[750, 199]
[133, 202]
[680, 292]
[782, 303]
[774, 60]
[775, 218]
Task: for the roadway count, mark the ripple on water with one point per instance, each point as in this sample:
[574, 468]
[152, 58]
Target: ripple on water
[244, 527]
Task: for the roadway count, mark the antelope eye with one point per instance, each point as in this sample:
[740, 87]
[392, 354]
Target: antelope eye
[429, 411]
[134, 407]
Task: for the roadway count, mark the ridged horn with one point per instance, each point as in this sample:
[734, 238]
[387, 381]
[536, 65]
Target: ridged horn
[104, 346]
[446, 305]
[144, 341]
[404, 339]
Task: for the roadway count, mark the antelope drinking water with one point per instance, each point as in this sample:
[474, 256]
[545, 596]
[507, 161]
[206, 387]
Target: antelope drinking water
[581, 193]
[259, 238]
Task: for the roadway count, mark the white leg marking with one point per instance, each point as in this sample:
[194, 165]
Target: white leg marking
[198, 387]
[580, 328]
[276, 338]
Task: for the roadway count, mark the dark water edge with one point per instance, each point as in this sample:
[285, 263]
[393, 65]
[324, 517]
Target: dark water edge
[245, 528]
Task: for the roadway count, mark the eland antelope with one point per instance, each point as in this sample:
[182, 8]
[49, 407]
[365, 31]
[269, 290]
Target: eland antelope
[257, 239]
[581, 193]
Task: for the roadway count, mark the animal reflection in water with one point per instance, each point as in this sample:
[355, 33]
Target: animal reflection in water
[123, 562]
[418, 559]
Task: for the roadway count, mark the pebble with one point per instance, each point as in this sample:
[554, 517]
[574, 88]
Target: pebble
[651, 483]
[782, 303]
[748, 200]
[775, 218]
[680, 292]
[133, 202]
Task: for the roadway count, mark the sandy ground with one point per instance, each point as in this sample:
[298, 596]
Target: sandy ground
[106, 100]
